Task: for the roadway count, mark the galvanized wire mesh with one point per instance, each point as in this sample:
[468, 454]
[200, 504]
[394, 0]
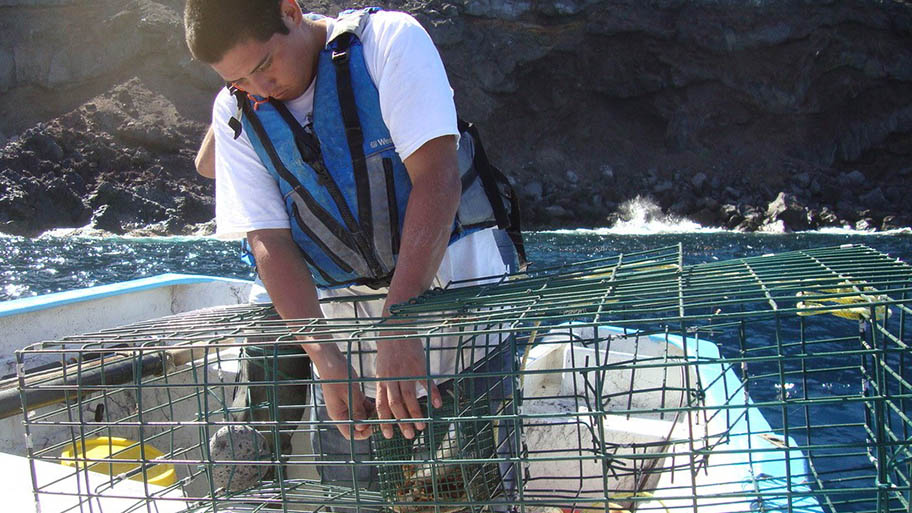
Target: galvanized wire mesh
[771, 383]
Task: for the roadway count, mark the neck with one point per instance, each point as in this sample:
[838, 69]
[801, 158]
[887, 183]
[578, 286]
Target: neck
[315, 40]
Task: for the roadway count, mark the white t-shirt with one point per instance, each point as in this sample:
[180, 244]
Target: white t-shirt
[416, 103]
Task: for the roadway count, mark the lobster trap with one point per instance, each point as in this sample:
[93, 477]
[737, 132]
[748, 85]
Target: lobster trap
[628, 383]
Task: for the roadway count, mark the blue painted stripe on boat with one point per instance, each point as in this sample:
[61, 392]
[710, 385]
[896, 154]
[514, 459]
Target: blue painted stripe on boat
[56, 299]
[766, 469]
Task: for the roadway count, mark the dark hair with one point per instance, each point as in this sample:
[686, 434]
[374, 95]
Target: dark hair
[212, 27]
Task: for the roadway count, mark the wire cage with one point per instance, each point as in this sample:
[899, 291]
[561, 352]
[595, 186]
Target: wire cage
[628, 383]
[454, 460]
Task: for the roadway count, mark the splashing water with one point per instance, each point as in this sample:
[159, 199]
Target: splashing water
[643, 216]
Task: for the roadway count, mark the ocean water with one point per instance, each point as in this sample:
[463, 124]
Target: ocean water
[51, 263]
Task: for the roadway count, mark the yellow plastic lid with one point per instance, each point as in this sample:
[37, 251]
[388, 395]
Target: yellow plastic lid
[104, 447]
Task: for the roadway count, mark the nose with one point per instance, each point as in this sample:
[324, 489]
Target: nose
[264, 85]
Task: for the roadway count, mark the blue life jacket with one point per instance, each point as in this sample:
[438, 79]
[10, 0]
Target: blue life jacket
[344, 186]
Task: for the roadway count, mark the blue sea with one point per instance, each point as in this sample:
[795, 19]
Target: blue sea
[55, 263]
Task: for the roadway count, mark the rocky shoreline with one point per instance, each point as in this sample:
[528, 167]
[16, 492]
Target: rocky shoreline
[746, 115]
[114, 165]
[847, 200]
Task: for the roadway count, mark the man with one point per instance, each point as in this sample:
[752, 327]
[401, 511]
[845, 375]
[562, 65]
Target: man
[336, 155]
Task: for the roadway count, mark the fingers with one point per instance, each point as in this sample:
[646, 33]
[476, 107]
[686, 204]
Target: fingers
[364, 431]
[433, 393]
[341, 413]
[338, 408]
[356, 431]
[383, 410]
[396, 403]
[410, 401]
[398, 400]
[359, 409]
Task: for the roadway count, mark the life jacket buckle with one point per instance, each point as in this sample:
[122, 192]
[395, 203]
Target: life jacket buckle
[340, 56]
[236, 126]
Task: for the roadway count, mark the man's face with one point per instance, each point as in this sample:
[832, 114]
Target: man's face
[278, 68]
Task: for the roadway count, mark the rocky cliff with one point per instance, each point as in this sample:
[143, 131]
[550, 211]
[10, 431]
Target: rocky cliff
[738, 113]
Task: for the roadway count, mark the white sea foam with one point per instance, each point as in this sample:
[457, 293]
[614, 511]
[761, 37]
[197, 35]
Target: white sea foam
[642, 216]
[842, 230]
[638, 216]
[15, 291]
[687, 226]
[87, 232]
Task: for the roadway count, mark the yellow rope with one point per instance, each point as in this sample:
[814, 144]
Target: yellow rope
[842, 305]
[634, 495]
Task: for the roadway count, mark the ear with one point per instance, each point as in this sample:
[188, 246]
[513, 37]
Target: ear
[291, 12]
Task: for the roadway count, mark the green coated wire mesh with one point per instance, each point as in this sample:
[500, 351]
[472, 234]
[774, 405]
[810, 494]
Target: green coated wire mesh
[457, 431]
[627, 383]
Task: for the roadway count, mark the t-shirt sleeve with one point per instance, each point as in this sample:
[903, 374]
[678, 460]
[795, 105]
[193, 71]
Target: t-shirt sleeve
[247, 197]
[416, 99]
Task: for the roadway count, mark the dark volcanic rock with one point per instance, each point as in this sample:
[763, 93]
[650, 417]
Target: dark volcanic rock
[731, 102]
[121, 162]
[790, 211]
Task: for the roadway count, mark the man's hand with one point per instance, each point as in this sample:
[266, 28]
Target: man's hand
[344, 401]
[398, 399]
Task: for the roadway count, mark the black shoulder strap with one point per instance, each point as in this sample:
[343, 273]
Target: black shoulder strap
[307, 143]
[235, 121]
[493, 181]
[352, 123]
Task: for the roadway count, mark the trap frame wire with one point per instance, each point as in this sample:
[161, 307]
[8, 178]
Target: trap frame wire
[770, 383]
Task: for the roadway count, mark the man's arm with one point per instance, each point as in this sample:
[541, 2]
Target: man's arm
[433, 201]
[432, 205]
[294, 296]
[205, 157]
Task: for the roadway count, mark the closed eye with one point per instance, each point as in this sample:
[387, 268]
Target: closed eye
[265, 65]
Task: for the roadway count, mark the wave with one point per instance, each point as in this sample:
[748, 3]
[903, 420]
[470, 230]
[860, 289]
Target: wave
[777, 228]
[652, 228]
[642, 216]
[638, 216]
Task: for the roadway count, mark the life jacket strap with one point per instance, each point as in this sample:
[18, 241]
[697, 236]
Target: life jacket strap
[234, 122]
[352, 123]
[497, 188]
